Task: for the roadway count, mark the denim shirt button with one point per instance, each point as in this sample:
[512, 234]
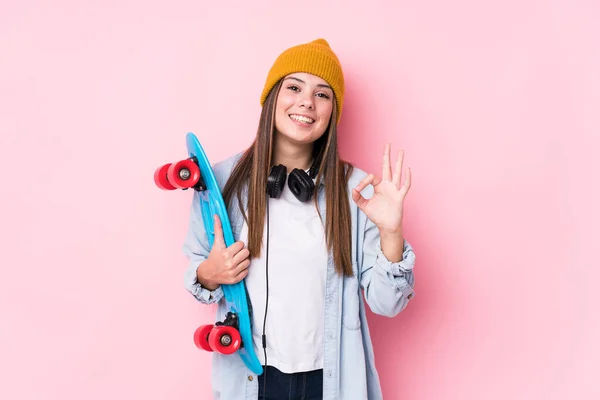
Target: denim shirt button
[250, 378]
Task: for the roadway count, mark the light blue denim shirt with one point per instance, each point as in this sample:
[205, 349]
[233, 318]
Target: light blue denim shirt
[349, 367]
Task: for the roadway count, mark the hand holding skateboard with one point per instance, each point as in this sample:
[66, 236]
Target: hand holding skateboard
[224, 265]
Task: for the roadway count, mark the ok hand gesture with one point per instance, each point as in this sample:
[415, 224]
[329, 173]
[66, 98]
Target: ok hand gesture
[384, 208]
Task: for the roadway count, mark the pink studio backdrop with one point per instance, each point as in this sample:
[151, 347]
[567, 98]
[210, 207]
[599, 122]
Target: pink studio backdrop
[495, 103]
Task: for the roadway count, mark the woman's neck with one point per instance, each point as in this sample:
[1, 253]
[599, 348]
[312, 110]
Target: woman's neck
[292, 155]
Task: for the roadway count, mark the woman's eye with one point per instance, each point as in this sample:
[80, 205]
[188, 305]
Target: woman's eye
[323, 95]
[293, 87]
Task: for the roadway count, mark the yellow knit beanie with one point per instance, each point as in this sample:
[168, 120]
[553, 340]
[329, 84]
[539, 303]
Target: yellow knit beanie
[315, 58]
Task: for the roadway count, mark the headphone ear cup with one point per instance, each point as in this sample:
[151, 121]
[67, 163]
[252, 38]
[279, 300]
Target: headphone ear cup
[301, 185]
[276, 181]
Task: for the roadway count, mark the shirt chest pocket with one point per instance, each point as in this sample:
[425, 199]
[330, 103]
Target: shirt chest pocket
[350, 305]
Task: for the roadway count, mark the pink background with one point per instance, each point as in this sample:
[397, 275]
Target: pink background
[495, 103]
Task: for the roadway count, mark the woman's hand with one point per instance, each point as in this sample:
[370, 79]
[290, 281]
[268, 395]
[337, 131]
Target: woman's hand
[384, 208]
[224, 265]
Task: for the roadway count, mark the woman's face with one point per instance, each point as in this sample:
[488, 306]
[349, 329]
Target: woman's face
[303, 109]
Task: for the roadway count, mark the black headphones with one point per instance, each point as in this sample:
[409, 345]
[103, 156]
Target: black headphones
[300, 183]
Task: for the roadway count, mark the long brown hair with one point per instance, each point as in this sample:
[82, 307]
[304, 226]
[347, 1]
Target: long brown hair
[253, 170]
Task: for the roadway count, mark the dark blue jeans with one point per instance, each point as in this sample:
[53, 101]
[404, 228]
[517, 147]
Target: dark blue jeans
[297, 386]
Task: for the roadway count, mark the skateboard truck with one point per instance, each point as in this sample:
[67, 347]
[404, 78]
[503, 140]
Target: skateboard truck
[231, 319]
[201, 185]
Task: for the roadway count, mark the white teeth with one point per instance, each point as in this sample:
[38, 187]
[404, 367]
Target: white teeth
[300, 118]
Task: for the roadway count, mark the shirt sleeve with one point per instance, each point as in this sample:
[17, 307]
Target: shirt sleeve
[388, 285]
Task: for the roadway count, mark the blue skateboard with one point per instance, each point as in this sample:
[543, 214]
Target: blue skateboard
[234, 334]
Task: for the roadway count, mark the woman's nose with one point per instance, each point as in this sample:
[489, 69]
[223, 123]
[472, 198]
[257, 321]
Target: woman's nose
[307, 102]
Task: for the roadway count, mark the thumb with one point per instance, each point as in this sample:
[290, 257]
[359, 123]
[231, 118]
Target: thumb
[358, 199]
[218, 228]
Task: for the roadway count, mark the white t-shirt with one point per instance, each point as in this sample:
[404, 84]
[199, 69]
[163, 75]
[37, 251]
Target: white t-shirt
[297, 270]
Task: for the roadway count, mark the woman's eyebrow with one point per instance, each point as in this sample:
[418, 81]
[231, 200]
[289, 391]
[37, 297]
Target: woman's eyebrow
[301, 81]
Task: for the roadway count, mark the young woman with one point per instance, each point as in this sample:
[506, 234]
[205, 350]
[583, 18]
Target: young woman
[311, 231]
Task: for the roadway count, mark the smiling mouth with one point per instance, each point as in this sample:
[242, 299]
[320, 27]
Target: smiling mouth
[301, 119]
